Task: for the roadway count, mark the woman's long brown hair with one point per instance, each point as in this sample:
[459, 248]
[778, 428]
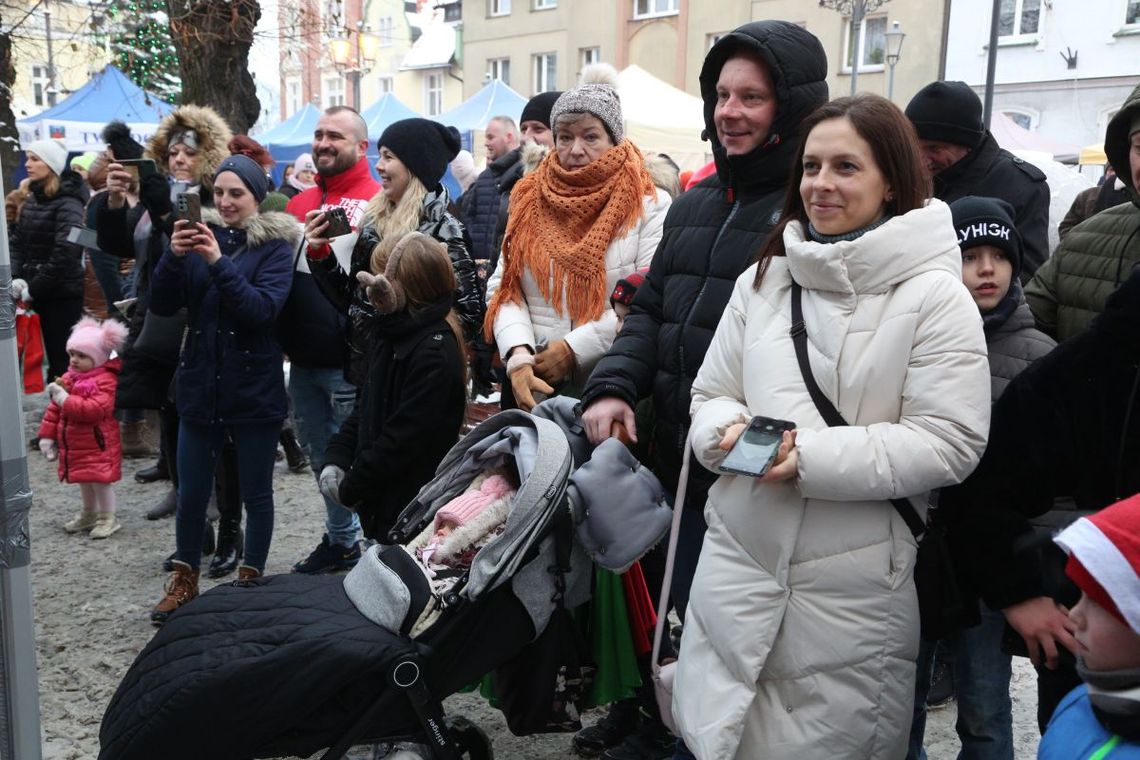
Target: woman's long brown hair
[894, 146]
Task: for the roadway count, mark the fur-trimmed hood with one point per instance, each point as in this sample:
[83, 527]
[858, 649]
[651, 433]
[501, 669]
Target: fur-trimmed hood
[532, 155]
[213, 136]
[262, 228]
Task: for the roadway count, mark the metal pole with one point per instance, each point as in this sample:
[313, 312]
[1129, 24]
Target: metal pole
[858, 11]
[51, 90]
[991, 66]
[19, 688]
[891, 83]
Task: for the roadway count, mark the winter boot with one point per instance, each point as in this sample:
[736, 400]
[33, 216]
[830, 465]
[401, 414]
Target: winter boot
[160, 470]
[134, 440]
[181, 587]
[105, 526]
[295, 456]
[165, 508]
[619, 722]
[81, 522]
[230, 548]
[247, 573]
[651, 741]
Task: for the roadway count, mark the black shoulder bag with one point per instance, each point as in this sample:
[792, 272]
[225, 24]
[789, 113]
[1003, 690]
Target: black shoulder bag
[942, 606]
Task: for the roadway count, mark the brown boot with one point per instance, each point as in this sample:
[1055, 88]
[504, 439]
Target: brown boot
[247, 573]
[181, 587]
[135, 440]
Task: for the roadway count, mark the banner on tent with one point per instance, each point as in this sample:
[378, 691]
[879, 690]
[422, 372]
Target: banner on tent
[77, 135]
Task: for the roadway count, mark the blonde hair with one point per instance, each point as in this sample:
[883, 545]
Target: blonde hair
[392, 220]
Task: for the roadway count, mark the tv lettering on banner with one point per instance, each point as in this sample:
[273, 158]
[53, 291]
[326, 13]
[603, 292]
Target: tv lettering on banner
[78, 136]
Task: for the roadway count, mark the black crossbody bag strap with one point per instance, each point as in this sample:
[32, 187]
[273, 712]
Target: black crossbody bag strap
[827, 409]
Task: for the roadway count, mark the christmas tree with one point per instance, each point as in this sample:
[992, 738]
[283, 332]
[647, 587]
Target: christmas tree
[141, 44]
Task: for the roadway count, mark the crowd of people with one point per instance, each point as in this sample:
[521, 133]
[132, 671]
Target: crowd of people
[878, 279]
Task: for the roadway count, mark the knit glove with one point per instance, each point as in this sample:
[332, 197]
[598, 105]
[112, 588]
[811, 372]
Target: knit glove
[555, 363]
[520, 371]
[19, 290]
[154, 193]
[49, 449]
[57, 393]
[329, 483]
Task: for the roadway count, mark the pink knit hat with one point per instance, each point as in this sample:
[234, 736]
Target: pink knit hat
[97, 339]
[470, 504]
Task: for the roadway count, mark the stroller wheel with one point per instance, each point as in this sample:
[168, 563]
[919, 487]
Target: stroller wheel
[472, 742]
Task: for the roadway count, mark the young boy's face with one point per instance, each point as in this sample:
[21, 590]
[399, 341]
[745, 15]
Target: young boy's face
[622, 312]
[1103, 641]
[987, 273]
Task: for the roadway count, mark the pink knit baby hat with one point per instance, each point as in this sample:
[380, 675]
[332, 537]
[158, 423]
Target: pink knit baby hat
[469, 505]
[97, 339]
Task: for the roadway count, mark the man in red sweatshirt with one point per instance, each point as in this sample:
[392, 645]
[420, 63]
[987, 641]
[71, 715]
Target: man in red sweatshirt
[313, 330]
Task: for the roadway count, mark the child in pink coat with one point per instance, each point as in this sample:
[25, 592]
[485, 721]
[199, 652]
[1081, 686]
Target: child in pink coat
[79, 428]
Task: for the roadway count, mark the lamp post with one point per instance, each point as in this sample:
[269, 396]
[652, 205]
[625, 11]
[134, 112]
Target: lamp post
[894, 52]
[341, 51]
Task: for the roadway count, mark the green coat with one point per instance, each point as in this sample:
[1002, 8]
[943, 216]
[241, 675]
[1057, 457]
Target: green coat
[1097, 255]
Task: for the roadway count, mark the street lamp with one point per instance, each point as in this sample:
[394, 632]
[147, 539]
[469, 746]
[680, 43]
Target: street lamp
[341, 52]
[894, 51]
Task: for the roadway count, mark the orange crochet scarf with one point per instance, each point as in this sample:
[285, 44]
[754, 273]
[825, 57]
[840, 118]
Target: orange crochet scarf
[561, 223]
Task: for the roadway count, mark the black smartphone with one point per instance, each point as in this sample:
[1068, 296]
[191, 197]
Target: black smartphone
[189, 207]
[756, 448]
[338, 222]
[139, 167]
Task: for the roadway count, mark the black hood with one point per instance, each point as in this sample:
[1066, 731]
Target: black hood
[1116, 143]
[798, 68]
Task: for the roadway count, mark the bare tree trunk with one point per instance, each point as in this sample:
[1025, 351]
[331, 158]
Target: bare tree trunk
[213, 40]
[9, 137]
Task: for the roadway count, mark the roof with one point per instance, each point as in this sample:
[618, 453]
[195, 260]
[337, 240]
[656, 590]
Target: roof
[434, 48]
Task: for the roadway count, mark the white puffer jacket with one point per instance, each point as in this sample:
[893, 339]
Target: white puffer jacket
[537, 321]
[802, 628]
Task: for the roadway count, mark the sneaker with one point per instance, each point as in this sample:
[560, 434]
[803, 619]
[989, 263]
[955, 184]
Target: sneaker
[105, 526]
[329, 558]
[941, 691]
[651, 741]
[81, 522]
[619, 722]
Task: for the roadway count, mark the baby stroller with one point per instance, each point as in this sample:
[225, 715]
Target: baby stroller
[292, 664]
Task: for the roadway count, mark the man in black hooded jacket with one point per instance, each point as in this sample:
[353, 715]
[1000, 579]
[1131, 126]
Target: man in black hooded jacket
[758, 82]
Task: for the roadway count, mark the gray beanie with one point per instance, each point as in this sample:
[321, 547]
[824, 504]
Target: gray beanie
[596, 95]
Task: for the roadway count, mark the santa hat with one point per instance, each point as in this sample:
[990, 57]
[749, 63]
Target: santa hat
[627, 286]
[97, 339]
[1104, 558]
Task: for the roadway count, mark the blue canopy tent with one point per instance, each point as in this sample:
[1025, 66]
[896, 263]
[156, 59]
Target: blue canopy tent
[79, 119]
[495, 99]
[293, 136]
[382, 113]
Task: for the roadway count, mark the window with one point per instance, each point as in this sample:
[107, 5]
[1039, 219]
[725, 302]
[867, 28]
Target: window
[543, 5]
[1132, 12]
[873, 44]
[587, 56]
[41, 82]
[387, 84]
[499, 68]
[650, 8]
[499, 7]
[1025, 118]
[1018, 17]
[292, 96]
[433, 94]
[386, 31]
[544, 64]
[334, 91]
[712, 39]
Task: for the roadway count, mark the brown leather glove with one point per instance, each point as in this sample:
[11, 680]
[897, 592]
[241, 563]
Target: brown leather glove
[523, 383]
[555, 363]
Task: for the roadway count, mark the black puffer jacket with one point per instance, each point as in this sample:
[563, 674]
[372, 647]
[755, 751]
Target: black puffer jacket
[1013, 343]
[994, 172]
[52, 267]
[485, 202]
[712, 234]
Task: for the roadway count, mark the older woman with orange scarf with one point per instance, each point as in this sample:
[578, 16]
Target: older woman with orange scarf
[586, 217]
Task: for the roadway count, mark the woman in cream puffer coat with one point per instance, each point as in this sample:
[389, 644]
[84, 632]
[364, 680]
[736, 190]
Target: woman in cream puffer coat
[802, 628]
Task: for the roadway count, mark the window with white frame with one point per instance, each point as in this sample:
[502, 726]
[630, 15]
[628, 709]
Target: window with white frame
[41, 80]
[650, 8]
[1132, 12]
[542, 5]
[589, 55]
[872, 44]
[1022, 117]
[386, 31]
[544, 72]
[1017, 18]
[498, 7]
[387, 84]
[433, 94]
[334, 91]
[292, 95]
[499, 68]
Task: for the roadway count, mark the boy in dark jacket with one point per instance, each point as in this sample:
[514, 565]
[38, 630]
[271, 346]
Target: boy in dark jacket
[991, 262]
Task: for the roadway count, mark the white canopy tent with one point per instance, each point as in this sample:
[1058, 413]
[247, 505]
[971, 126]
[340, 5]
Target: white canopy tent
[661, 118]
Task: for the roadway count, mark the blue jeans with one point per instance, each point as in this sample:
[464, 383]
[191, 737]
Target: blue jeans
[322, 400]
[106, 268]
[198, 449]
[981, 683]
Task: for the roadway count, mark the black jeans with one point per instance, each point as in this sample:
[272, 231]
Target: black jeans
[57, 317]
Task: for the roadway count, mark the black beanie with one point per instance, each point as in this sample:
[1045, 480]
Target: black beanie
[538, 108]
[987, 221]
[426, 147]
[948, 112]
[117, 135]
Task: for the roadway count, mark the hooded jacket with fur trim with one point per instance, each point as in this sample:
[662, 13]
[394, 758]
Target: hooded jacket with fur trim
[230, 369]
[213, 135]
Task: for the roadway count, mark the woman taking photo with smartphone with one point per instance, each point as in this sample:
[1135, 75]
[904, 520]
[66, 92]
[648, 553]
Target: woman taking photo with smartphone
[232, 273]
[802, 628]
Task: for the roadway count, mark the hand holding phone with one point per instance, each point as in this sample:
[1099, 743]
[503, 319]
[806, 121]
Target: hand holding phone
[757, 447]
[337, 222]
[138, 167]
[189, 208]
